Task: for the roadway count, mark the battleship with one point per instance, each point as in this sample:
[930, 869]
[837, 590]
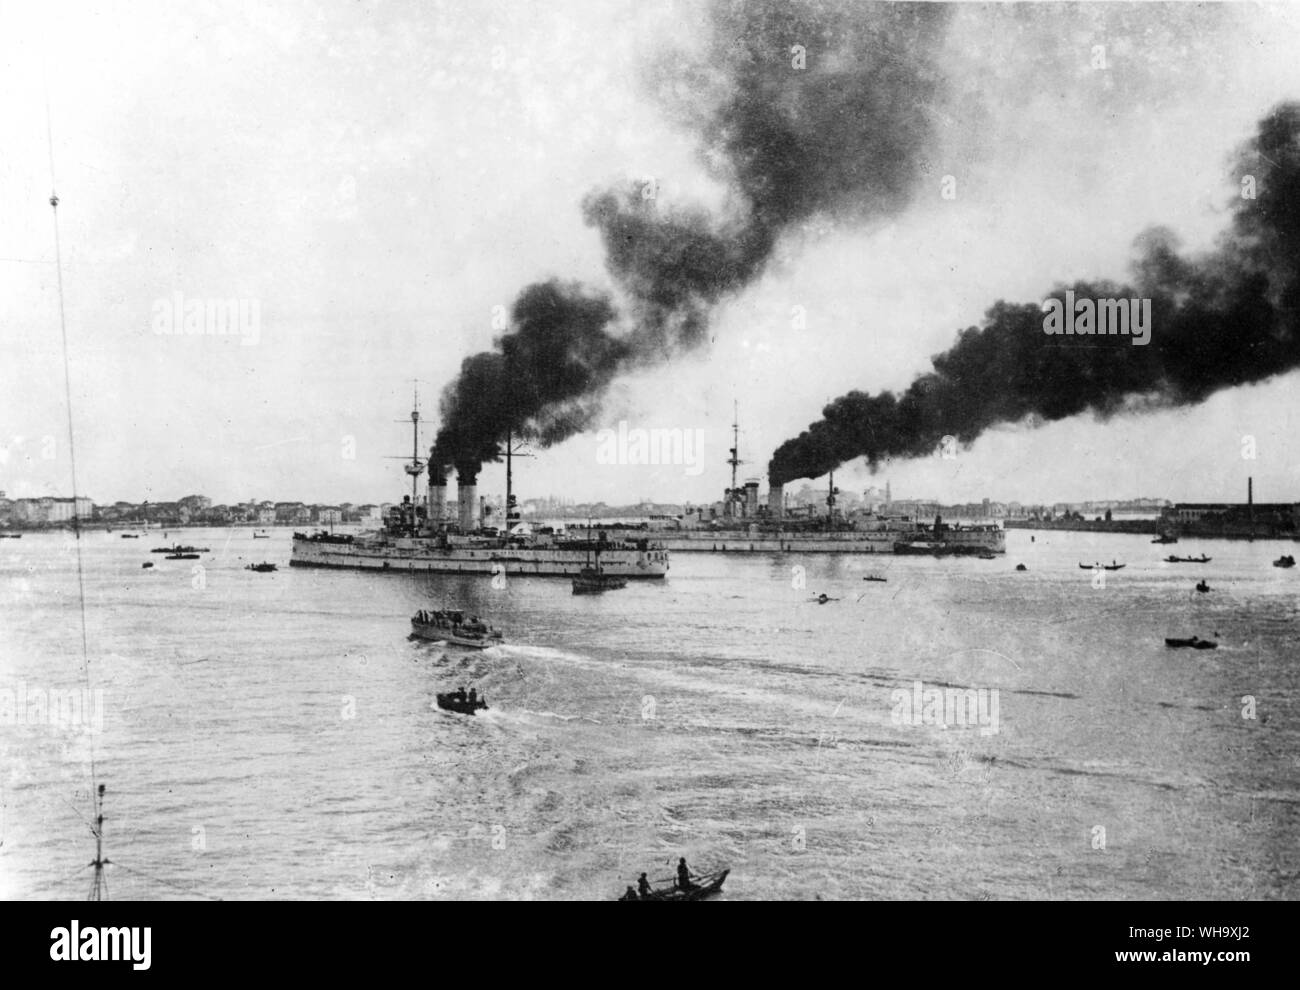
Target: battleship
[419, 535]
[740, 523]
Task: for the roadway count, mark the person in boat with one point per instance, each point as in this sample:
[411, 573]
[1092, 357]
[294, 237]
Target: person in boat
[643, 887]
[684, 875]
[460, 694]
[473, 696]
[629, 894]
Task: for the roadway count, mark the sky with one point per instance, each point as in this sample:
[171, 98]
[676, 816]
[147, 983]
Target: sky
[373, 181]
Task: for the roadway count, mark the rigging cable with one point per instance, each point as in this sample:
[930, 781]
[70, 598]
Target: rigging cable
[99, 884]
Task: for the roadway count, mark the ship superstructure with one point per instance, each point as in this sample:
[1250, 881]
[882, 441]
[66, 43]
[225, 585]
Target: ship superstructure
[742, 523]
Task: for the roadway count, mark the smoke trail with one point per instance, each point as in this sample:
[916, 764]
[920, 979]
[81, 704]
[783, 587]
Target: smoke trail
[1227, 319]
[558, 352]
[801, 109]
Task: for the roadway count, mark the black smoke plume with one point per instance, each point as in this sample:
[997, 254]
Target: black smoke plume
[802, 109]
[1227, 319]
[557, 352]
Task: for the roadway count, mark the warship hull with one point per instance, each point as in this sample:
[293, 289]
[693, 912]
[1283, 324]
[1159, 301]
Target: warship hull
[884, 541]
[427, 556]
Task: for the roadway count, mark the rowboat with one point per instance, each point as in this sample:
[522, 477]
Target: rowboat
[1102, 567]
[1202, 559]
[709, 886]
[1195, 643]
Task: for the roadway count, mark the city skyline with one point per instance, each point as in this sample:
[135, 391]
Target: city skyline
[412, 270]
[807, 495]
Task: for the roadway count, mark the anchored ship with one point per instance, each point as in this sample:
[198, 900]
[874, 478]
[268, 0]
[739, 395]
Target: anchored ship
[741, 524]
[419, 535]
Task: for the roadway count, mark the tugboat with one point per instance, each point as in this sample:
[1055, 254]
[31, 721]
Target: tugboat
[460, 702]
[262, 568]
[593, 580]
[455, 627]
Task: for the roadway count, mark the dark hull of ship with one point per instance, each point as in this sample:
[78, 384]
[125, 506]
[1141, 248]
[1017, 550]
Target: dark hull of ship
[419, 556]
[948, 548]
[847, 542]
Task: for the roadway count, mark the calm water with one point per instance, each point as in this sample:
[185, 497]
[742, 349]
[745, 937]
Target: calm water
[275, 735]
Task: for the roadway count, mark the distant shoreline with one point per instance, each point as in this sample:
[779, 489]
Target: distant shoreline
[1154, 527]
[128, 527]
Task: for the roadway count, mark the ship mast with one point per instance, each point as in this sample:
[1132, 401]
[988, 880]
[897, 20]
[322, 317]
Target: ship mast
[512, 512]
[734, 460]
[416, 467]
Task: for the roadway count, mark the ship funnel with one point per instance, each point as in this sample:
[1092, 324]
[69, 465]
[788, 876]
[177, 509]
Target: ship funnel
[437, 492]
[467, 500]
[776, 501]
